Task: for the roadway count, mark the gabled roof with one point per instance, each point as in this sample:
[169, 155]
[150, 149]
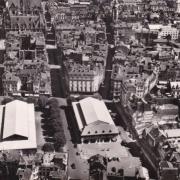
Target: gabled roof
[16, 119]
[30, 3]
[99, 128]
[90, 110]
[94, 109]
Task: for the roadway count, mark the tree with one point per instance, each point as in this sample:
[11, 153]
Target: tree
[48, 147]
[53, 102]
[42, 101]
[6, 100]
[54, 113]
[31, 100]
[60, 140]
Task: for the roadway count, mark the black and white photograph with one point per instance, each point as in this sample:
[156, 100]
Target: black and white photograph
[89, 89]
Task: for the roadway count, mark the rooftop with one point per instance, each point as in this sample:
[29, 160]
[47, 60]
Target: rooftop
[90, 110]
[18, 124]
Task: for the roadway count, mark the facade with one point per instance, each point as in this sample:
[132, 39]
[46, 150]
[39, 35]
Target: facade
[11, 83]
[54, 166]
[84, 79]
[163, 31]
[168, 30]
[28, 168]
[167, 171]
[158, 5]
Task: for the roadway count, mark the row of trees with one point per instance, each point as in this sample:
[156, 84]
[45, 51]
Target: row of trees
[54, 124]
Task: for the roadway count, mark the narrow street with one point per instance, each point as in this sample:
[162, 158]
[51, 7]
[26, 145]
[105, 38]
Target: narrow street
[106, 87]
[147, 152]
[58, 75]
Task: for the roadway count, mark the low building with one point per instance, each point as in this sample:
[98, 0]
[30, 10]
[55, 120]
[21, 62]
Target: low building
[163, 31]
[94, 125]
[153, 136]
[17, 122]
[28, 167]
[167, 171]
[11, 83]
[54, 166]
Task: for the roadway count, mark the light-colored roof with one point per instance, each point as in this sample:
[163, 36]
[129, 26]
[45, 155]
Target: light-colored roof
[2, 44]
[15, 120]
[172, 133]
[155, 26]
[99, 128]
[174, 84]
[92, 110]
[168, 106]
[19, 119]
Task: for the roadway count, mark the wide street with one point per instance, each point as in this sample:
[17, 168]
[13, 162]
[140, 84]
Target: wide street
[76, 165]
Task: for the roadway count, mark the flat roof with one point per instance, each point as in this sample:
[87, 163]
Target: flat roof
[172, 133]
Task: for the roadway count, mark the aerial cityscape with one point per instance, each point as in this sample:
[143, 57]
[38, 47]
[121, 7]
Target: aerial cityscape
[89, 89]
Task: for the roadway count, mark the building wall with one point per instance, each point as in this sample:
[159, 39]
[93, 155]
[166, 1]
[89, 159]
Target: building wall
[85, 82]
[169, 31]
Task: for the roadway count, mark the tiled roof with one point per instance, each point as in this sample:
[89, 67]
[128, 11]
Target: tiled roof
[99, 128]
